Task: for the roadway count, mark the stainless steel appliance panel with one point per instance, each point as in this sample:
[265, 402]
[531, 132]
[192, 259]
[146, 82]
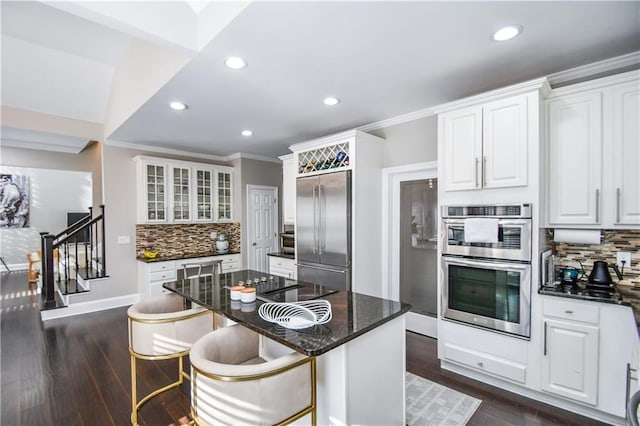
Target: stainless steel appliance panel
[307, 219]
[490, 294]
[328, 277]
[514, 240]
[334, 196]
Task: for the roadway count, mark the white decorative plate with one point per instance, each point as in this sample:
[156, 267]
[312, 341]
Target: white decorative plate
[296, 315]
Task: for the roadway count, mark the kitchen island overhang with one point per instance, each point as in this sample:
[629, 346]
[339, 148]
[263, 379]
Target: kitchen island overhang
[360, 352]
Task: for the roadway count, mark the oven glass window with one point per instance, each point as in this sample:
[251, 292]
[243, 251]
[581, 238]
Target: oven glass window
[485, 292]
[509, 237]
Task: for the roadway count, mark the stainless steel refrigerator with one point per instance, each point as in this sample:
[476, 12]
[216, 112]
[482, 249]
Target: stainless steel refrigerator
[323, 229]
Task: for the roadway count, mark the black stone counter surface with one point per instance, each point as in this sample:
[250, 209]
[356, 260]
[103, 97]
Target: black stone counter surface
[353, 314]
[623, 295]
[183, 256]
[280, 254]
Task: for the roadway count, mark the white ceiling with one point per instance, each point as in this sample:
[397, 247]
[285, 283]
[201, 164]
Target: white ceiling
[382, 59]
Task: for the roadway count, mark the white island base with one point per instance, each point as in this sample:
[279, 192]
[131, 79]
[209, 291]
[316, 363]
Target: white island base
[362, 381]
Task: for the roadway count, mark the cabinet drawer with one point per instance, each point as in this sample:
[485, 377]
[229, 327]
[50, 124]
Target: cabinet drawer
[162, 276]
[281, 262]
[282, 272]
[162, 266]
[571, 311]
[157, 290]
[485, 362]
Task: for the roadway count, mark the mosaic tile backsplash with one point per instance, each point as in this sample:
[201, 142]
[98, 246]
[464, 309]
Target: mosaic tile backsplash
[613, 241]
[186, 239]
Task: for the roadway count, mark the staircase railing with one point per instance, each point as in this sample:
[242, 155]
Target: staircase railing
[91, 229]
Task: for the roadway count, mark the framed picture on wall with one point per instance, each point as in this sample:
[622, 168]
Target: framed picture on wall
[15, 194]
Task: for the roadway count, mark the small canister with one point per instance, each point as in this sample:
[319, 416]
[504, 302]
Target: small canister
[236, 291]
[248, 295]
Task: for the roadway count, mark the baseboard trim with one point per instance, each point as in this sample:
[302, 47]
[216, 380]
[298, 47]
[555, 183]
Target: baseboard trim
[89, 307]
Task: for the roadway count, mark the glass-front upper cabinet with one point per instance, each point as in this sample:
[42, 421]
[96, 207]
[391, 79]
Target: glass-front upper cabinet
[155, 197]
[176, 191]
[224, 196]
[181, 189]
[203, 194]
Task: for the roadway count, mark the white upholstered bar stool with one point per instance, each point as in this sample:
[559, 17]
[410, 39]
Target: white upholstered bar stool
[231, 384]
[160, 328]
[193, 270]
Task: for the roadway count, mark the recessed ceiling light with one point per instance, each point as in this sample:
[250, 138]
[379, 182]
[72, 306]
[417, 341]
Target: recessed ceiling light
[178, 106]
[507, 33]
[235, 63]
[331, 101]
[247, 133]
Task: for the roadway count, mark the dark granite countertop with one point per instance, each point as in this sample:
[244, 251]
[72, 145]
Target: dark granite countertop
[280, 254]
[353, 314]
[183, 256]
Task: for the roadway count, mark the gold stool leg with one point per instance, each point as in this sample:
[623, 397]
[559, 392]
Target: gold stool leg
[134, 393]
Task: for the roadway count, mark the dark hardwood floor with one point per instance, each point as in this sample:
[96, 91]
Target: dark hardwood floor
[76, 371]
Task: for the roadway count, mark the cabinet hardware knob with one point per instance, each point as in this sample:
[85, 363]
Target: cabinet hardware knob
[480, 364]
[568, 311]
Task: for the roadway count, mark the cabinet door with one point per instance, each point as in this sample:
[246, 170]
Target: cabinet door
[575, 158]
[570, 360]
[155, 186]
[203, 194]
[626, 156]
[289, 173]
[181, 193]
[224, 201]
[504, 143]
[462, 146]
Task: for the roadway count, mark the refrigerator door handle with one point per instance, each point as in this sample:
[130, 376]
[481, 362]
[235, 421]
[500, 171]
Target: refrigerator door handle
[322, 199]
[316, 214]
[339, 271]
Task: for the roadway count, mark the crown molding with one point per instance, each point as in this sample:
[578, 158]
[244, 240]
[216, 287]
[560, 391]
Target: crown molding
[541, 84]
[40, 146]
[400, 119]
[171, 151]
[238, 155]
[594, 68]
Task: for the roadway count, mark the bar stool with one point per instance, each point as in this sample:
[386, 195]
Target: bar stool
[194, 270]
[159, 329]
[231, 383]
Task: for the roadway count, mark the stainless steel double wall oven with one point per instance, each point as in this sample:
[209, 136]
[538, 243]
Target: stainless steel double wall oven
[488, 283]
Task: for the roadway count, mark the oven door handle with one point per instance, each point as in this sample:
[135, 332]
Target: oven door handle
[512, 222]
[498, 266]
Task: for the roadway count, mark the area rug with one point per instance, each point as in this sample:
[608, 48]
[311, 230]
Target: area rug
[431, 404]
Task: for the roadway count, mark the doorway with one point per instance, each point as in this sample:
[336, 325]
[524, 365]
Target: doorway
[410, 242]
[262, 225]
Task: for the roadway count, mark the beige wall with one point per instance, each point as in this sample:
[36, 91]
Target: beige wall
[88, 160]
[411, 142]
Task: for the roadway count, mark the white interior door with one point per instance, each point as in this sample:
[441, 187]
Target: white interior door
[262, 229]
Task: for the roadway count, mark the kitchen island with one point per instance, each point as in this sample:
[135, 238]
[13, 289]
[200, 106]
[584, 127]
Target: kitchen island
[360, 352]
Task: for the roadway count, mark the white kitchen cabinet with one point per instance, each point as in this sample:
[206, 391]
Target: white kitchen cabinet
[203, 193]
[626, 153]
[174, 191]
[289, 173]
[593, 149]
[282, 266]
[181, 193]
[485, 146]
[570, 362]
[152, 199]
[575, 156]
